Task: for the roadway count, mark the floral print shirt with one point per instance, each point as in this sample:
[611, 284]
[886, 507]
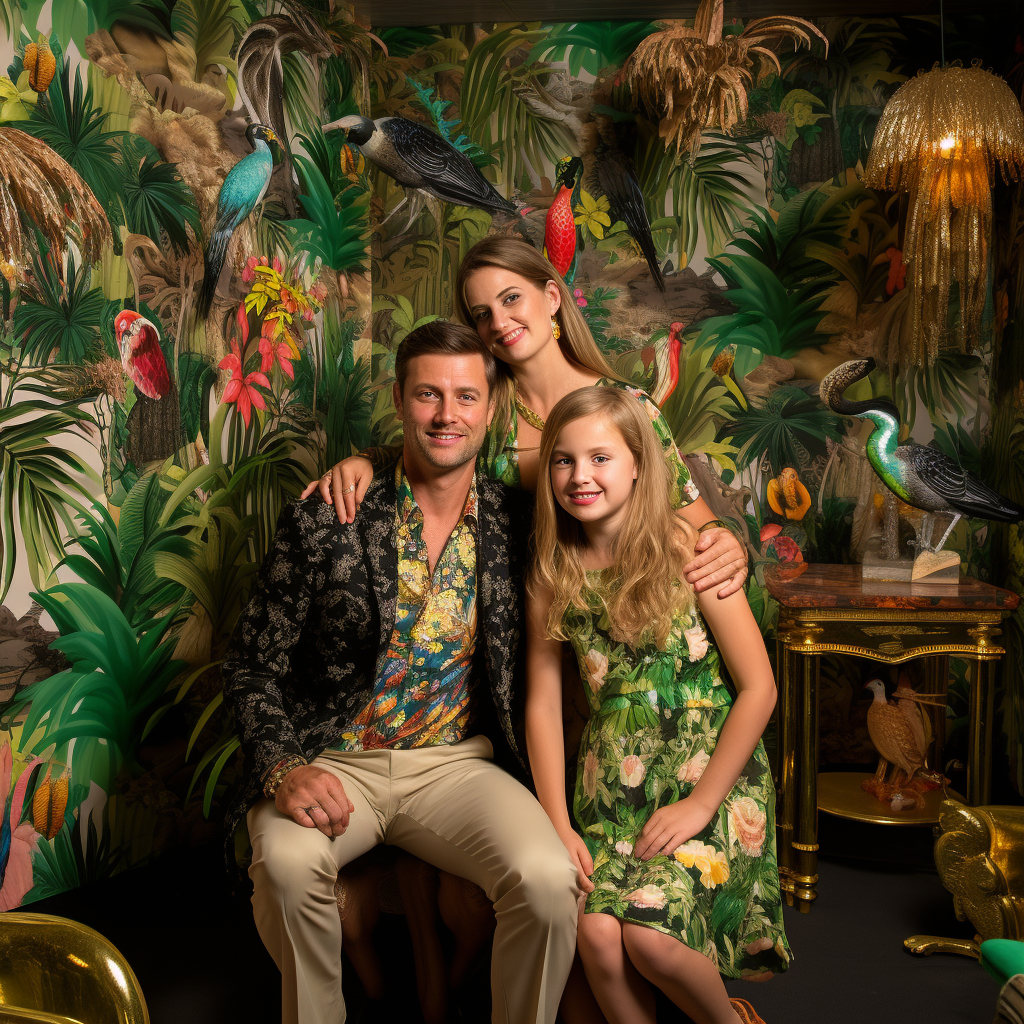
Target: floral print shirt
[500, 456]
[421, 695]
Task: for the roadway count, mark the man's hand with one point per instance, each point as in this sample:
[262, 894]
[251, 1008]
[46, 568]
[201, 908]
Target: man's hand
[670, 826]
[719, 557]
[314, 798]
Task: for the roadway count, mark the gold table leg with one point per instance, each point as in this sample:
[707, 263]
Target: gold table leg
[979, 763]
[923, 945]
[805, 839]
[785, 802]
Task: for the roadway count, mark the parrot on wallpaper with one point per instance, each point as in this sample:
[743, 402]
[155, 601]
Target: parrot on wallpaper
[141, 355]
[665, 356]
[17, 840]
[416, 157]
[245, 185]
[562, 241]
[612, 174]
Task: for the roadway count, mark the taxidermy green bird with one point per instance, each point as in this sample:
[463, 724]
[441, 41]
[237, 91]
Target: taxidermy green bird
[923, 477]
[245, 185]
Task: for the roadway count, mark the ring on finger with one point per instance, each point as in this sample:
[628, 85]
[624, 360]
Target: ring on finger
[312, 807]
[349, 490]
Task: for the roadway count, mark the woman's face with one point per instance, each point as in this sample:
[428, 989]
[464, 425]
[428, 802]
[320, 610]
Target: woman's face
[511, 314]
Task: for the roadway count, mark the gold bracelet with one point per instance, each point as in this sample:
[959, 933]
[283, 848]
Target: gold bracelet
[276, 774]
[712, 524]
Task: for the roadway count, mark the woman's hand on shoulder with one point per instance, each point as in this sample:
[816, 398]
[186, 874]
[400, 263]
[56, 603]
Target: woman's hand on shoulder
[580, 857]
[344, 486]
[720, 561]
[671, 826]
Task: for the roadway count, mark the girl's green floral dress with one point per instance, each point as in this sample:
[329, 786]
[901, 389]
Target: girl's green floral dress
[655, 719]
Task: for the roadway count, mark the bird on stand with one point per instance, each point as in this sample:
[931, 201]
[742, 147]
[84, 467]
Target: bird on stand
[244, 186]
[921, 476]
[421, 161]
[562, 236]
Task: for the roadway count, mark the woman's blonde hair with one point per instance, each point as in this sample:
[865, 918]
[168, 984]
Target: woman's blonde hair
[519, 257]
[647, 589]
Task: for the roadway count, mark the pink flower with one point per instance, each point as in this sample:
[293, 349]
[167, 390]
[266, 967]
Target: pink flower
[626, 849]
[786, 549]
[243, 322]
[758, 945]
[276, 264]
[694, 768]
[631, 771]
[748, 823]
[577, 293]
[590, 765]
[270, 350]
[650, 897]
[581, 303]
[696, 642]
[596, 665]
[241, 387]
[770, 530]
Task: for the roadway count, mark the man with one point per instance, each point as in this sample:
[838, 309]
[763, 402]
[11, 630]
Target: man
[361, 675]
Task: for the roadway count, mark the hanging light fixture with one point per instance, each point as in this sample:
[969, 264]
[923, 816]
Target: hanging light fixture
[939, 139]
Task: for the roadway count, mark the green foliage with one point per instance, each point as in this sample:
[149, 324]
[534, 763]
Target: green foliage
[768, 319]
[119, 560]
[592, 45]
[150, 15]
[154, 199]
[785, 430]
[947, 390]
[211, 28]
[58, 312]
[402, 41]
[117, 673]
[495, 108]
[195, 381]
[72, 125]
[39, 484]
[334, 230]
[706, 194]
[448, 128]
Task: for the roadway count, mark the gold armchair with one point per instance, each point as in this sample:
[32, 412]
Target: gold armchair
[56, 971]
[979, 855]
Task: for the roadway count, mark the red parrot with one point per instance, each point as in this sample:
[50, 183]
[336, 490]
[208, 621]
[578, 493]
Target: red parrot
[141, 355]
[561, 236]
[666, 355]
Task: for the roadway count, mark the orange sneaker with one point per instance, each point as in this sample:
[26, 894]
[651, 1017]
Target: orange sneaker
[746, 1013]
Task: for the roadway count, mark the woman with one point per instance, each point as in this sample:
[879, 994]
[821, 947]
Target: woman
[523, 312]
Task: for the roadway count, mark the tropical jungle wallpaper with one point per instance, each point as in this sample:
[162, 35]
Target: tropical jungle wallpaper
[203, 280]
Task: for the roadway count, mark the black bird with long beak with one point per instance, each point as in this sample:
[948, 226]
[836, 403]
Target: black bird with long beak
[418, 158]
[923, 477]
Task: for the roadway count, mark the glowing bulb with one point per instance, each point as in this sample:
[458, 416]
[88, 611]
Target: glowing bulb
[946, 145]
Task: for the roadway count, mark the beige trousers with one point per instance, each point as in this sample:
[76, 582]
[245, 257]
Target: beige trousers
[450, 806]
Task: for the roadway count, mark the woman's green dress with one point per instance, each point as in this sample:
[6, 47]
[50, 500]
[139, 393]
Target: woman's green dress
[655, 719]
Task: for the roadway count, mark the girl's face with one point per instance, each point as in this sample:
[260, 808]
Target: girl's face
[511, 314]
[592, 472]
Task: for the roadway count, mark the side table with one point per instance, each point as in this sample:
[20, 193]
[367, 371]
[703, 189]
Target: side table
[830, 609]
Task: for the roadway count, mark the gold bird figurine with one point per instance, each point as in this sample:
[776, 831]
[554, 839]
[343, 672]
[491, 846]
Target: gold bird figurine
[901, 735]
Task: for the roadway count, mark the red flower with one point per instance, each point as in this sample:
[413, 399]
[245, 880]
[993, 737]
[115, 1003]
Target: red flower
[241, 387]
[770, 530]
[786, 549]
[281, 350]
[897, 271]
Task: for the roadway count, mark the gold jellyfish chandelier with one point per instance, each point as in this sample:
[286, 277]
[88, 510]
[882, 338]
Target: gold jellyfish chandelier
[939, 140]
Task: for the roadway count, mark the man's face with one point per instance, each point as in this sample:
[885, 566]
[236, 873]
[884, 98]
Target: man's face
[445, 409]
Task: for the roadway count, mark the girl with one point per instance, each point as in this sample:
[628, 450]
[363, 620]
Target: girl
[673, 797]
[523, 312]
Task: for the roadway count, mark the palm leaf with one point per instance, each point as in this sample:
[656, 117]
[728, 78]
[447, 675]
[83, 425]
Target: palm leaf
[592, 45]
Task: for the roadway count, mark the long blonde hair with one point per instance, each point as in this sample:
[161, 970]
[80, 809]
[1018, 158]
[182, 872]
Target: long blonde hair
[519, 257]
[648, 588]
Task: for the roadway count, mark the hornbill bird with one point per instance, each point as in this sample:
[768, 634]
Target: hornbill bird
[613, 174]
[923, 477]
[562, 241]
[418, 158]
[141, 355]
[245, 185]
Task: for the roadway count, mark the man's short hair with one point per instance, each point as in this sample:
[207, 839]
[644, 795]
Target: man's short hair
[443, 337]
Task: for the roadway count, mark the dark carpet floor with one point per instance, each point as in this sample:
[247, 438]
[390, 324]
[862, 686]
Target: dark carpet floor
[190, 938]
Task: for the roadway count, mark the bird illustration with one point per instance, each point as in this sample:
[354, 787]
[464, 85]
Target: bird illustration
[141, 355]
[923, 477]
[665, 356]
[419, 159]
[17, 839]
[613, 175]
[245, 185]
[562, 237]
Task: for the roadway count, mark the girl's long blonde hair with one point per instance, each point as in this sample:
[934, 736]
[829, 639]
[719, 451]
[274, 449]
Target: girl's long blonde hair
[647, 589]
[519, 257]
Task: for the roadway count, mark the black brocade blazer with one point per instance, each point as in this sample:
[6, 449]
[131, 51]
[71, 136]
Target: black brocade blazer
[302, 660]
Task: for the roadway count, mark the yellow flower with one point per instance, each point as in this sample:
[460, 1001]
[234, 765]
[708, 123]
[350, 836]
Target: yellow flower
[17, 100]
[711, 863]
[594, 214]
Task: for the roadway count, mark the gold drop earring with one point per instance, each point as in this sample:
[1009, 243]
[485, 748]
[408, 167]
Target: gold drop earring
[556, 329]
